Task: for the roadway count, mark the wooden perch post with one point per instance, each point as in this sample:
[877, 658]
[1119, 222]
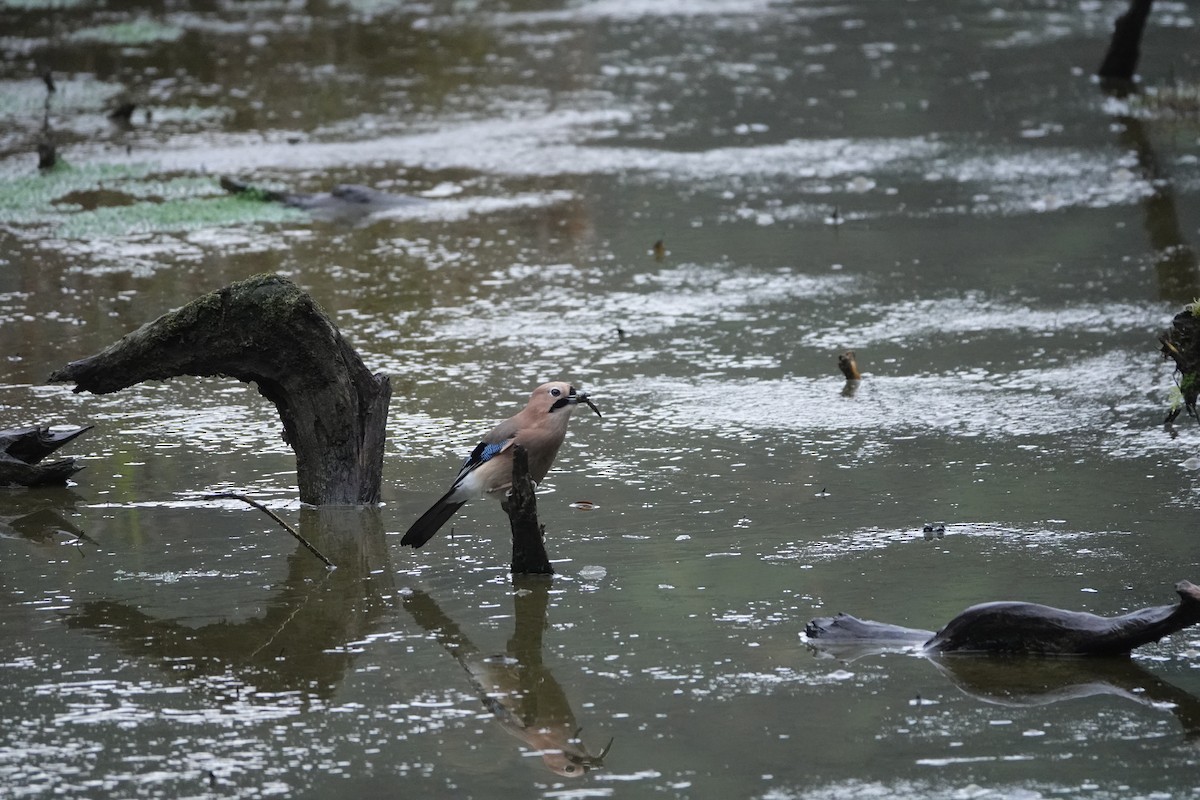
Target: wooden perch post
[1124, 49]
[268, 331]
[528, 548]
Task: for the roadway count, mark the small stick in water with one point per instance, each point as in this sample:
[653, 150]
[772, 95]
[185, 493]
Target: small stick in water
[274, 516]
[848, 364]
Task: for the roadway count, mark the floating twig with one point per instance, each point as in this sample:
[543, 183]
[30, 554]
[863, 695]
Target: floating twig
[274, 516]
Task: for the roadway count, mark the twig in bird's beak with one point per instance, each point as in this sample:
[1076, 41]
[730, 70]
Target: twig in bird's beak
[583, 398]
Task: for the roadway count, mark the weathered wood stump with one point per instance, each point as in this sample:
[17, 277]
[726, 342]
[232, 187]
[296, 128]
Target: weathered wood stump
[1013, 628]
[23, 449]
[1181, 344]
[267, 331]
[1124, 49]
[528, 535]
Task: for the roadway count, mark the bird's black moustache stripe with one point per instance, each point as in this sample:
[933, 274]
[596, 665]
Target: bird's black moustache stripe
[560, 402]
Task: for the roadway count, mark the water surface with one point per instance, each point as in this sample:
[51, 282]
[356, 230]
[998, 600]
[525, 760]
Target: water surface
[941, 187]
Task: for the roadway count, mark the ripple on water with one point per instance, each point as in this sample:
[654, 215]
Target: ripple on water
[558, 142]
[906, 788]
[872, 539]
[898, 405]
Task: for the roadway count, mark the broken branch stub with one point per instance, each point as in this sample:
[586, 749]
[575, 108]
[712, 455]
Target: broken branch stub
[528, 545]
[268, 331]
[1181, 344]
[1125, 48]
[22, 451]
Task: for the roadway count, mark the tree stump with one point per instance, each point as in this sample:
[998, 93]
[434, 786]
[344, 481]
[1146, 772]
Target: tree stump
[1124, 49]
[268, 331]
[528, 546]
[1181, 344]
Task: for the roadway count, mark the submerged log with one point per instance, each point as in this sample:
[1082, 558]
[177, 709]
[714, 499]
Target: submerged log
[344, 202]
[1013, 628]
[267, 331]
[528, 535]
[23, 449]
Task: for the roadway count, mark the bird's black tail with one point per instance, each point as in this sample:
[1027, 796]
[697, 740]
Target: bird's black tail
[431, 521]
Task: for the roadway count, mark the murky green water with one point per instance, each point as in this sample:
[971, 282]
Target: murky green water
[940, 186]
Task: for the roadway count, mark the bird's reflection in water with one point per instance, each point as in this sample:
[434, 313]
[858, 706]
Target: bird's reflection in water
[515, 686]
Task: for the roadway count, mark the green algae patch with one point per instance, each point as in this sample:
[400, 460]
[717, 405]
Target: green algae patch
[128, 34]
[111, 201]
[28, 199]
[179, 215]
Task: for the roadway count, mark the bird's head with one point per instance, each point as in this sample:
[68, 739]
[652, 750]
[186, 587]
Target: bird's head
[558, 395]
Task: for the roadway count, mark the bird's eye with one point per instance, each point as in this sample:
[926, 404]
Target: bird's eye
[555, 392]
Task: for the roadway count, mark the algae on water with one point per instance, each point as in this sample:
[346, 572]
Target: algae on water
[139, 32]
[185, 214]
[142, 201]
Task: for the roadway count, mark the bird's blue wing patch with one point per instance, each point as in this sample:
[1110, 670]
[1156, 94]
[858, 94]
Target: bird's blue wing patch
[491, 450]
[482, 453]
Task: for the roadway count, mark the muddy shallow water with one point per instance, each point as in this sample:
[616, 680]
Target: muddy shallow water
[941, 187]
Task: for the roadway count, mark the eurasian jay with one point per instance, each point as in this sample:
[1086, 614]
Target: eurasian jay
[540, 428]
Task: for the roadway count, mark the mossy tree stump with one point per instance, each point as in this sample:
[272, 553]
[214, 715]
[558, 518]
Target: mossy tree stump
[267, 331]
[1181, 344]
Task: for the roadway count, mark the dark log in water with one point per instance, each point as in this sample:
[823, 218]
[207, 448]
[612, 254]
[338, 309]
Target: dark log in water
[528, 536]
[268, 331]
[1013, 628]
[23, 449]
[346, 202]
[1124, 49]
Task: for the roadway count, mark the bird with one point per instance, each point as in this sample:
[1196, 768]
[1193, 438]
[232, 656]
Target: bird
[540, 428]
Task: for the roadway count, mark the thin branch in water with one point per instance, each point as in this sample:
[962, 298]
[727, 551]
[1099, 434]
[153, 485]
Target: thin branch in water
[274, 516]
